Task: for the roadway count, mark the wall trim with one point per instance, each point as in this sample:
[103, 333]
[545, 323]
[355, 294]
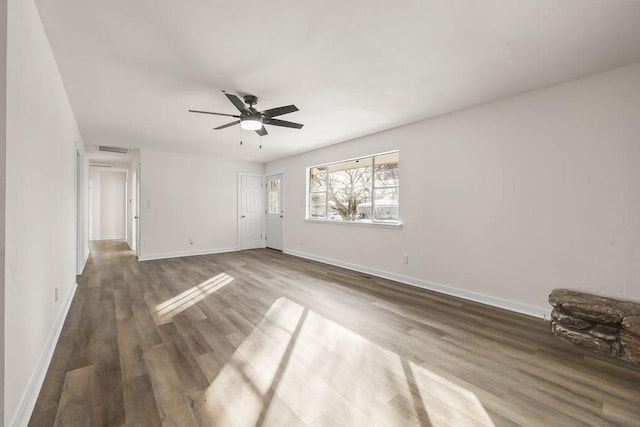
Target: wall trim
[185, 254]
[111, 238]
[28, 401]
[374, 224]
[517, 307]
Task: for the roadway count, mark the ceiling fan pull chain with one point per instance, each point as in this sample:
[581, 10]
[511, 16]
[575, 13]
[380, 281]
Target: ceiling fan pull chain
[261, 142]
[240, 135]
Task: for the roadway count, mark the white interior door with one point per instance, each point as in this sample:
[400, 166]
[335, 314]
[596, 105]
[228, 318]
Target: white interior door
[250, 212]
[79, 233]
[112, 191]
[91, 209]
[275, 211]
[135, 223]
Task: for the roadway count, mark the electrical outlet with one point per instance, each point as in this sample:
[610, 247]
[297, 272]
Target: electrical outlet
[405, 259]
[55, 295]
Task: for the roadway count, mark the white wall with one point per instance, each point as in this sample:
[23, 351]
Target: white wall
[507, 200]
[95, 201]
[187, 196]
[40, 208]
[108, 210]
[3, 163]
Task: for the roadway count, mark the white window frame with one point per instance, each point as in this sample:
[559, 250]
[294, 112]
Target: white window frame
[369, 223]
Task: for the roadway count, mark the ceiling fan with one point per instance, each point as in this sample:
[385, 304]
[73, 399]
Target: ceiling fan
[252, 119]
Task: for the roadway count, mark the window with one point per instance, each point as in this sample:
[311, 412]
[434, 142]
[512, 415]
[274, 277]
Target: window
[274, 196]
[364, 190]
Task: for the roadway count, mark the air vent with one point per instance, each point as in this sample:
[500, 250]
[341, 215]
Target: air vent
[100, 164]
[119, 150]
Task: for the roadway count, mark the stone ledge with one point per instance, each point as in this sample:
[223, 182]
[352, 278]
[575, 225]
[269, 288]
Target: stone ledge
[599, 323]
[631, 324]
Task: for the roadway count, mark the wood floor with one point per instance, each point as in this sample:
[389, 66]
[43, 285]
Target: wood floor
[258, 338]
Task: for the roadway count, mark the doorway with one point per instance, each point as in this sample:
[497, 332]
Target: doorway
[135, 224]
[250, 209]
[275, 211]
[108, 212]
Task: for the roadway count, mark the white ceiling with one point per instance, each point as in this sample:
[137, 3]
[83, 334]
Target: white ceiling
[132, 69]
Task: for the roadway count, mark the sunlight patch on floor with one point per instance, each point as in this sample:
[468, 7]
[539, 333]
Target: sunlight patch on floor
[167, 310]
[236, 397]
[456, 404]
[299, 368]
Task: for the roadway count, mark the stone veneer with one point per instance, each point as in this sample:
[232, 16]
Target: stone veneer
[603, 324]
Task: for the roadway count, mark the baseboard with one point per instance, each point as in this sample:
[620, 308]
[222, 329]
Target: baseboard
[517, 307]
[28, 401]
[84, 261]
[186, 253]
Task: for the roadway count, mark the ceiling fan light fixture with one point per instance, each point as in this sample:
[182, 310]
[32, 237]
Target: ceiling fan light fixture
[251, 123]
[252, 119]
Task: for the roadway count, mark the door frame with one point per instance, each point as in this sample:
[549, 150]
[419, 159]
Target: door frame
[263, 217]
[79, 175]
[135, 217]
[282, 202]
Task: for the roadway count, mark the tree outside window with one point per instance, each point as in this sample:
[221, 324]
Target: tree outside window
[364, 189]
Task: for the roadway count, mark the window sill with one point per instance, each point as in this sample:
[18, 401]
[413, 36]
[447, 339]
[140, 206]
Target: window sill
[397, 226]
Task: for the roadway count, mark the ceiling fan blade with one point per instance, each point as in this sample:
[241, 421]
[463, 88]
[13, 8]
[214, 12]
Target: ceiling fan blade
[237, 102]
[215, 114]
[283, 123]
[227, 125]
[273, 112]
[262, 131]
